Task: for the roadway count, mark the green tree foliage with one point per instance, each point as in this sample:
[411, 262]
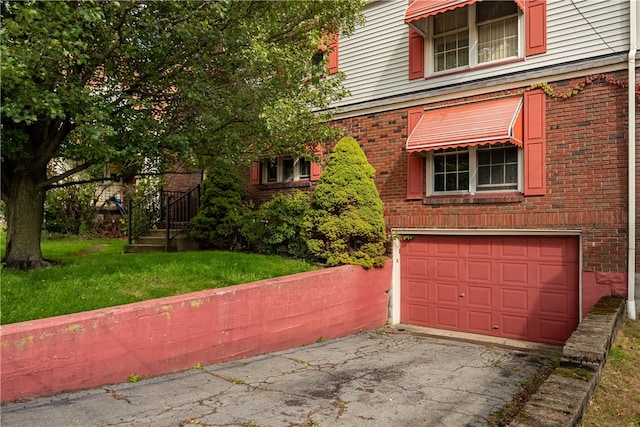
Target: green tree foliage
[276, 227]
[345, 223]
[222, 209]
[96, 82]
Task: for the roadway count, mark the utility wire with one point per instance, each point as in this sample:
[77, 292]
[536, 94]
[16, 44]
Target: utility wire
[575, 6]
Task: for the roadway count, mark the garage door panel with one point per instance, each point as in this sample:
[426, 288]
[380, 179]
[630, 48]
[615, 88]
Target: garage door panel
[555, 331]
[514, 273]
[555, 275]
[416, 290]
[479, 296]
[479, 271]
[447, 318]
[447, 269]
[515, 300]
[479, 322]
[416, 247]
[447, 293]
[479, 249]
[555, 248]
[521, 287]
[514, 326]
[416, 314]
[558, 304]
[511, 247]
[415, 267]
[447, 247]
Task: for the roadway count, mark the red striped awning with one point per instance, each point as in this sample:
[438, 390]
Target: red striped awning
[419, 9]
[487, 122]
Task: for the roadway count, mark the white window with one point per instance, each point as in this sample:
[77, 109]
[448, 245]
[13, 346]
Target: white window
[476, 34]
[470, 170]
[285, 169]
[451, 40]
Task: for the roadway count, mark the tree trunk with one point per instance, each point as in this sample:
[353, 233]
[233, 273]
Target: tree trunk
[25, 213]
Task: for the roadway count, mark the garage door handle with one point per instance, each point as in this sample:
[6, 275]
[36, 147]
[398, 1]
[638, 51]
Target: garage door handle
[461, 295]
[496, 327]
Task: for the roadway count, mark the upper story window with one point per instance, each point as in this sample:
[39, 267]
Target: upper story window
[497, 25]
[455, 35]
[285, 169]
[451, 40]
[473, 35]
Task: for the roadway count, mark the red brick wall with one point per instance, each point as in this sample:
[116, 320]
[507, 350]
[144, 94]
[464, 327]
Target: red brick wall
[586, 173]
[182, 180]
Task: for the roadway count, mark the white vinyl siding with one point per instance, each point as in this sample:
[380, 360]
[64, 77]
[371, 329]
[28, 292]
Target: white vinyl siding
[375, 57]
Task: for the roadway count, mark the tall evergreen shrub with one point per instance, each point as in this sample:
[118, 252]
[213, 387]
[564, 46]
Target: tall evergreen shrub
[222, 209]
[345, 223]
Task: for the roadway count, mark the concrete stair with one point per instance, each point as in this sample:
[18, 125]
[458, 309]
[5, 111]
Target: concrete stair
[154, 241]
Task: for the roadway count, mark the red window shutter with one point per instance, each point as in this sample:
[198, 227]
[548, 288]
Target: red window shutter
[316, 169]
[416, 55]
[333, 54]
[535, 143]
[415, 164]
[254, 173]
[536, 23]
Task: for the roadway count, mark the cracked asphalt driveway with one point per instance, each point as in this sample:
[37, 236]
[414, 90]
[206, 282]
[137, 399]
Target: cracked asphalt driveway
[374, 378]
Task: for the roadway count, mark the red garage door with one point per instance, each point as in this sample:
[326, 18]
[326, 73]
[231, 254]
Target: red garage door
[519, 287]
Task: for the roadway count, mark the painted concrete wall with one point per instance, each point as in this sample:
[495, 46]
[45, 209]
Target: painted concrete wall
[105, 346]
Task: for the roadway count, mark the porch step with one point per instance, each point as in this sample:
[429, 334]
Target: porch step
[154, 241]
[161, 233]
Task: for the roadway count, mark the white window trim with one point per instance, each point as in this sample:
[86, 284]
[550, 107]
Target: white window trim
[473, 178]
[280, 171]
[473, 44]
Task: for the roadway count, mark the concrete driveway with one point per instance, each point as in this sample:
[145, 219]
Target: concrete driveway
[375, 378]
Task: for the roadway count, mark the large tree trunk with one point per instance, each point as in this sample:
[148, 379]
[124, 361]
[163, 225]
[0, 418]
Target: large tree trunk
[25, 213]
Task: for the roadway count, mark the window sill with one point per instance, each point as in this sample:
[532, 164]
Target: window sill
[492, 64]
[280, 185]
[475, 199]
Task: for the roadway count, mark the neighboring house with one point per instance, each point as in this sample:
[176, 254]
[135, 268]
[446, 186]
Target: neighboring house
[504, 150]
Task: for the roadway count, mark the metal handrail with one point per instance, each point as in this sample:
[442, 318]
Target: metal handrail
[176, 208]
[180, 211]
[143, 215]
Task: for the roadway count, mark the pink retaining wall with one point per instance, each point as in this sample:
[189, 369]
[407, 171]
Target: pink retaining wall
[105, 346]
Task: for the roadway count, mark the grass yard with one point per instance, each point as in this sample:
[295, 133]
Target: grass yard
[616, 400]
[95, 274]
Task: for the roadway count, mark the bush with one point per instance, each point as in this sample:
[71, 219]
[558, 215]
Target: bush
[222, 209]
[345, 222]
[275, 228]
[70, 210]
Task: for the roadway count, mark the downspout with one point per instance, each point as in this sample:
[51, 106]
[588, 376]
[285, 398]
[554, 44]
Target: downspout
[633, 47]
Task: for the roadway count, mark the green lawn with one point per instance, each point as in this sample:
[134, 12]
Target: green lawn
[96, 274]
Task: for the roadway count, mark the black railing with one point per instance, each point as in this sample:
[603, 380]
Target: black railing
[179, 210]
[169, 209]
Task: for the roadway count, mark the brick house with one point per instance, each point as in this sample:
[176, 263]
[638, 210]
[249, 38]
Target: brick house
[502, 140]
